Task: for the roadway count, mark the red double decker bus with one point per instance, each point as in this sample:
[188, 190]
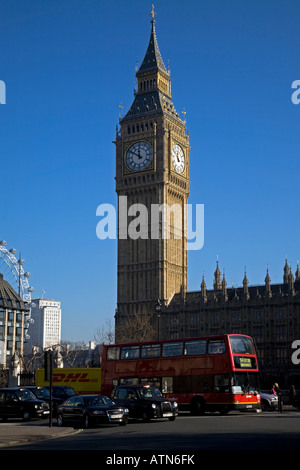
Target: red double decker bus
[203, 374]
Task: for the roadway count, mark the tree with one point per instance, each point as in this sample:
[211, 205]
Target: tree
[137, 328]
[31, 361]
[105, 333]
[71, 351]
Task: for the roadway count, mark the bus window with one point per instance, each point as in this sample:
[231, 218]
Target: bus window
[221, 383]
[216, 346]
[129, 381]
[113, 354]
[172, 349]
[167, 384]
[130, 352]
[150, 350]
[241, 345]
[195, 347]
[151, 381]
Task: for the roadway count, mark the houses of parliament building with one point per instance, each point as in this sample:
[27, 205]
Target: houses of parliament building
[269, 313]
[152, 168]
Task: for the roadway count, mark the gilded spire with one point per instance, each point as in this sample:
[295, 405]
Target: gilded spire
[152, 59]
[152, 84]
[153, 14]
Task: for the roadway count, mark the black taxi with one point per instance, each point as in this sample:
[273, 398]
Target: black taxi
[21, 403]
[145, 402]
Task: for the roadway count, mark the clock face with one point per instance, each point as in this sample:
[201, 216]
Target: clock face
[178, 158]
[139, 156]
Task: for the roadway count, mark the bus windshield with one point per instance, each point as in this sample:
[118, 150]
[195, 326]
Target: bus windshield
[241, 345]
[245, 382]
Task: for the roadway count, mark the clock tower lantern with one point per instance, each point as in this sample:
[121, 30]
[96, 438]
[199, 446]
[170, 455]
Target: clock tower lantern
[152, 184]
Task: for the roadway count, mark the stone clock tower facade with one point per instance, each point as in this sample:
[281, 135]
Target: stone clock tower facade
[152, 184]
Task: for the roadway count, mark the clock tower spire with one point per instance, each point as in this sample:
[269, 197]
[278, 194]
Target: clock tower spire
[152, 184]
[153, 63]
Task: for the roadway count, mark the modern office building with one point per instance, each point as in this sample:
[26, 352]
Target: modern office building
[46, 329]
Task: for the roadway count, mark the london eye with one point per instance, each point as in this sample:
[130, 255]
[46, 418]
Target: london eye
[13, 272]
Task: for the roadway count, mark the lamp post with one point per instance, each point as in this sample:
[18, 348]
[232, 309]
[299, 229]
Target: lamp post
[158, 310]
[48, 371]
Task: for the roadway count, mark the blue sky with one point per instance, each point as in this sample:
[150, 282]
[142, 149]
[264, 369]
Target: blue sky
[67, 66]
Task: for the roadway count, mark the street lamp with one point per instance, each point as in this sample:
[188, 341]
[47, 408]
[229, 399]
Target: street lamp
[158, 310]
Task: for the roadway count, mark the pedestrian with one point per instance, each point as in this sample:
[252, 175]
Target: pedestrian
[278, 393]
[292, 395]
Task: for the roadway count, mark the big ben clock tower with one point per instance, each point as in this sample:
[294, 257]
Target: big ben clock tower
[152, 177]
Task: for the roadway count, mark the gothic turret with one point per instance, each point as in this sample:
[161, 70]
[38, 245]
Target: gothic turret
[286, 271]
[224, 287]
[297, 273]
[203, 289]
[245, 286]
[268, 285]
[217, 281]
[291, 282]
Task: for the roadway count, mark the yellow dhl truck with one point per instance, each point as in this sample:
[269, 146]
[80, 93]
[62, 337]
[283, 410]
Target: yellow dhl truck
[82, 380]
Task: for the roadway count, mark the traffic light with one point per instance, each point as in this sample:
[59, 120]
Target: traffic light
[48, 365]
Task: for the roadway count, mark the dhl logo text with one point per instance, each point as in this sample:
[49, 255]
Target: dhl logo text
[71, 377]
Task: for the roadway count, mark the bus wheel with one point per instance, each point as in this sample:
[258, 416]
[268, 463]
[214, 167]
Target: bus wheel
[197, 406]
[223, 410]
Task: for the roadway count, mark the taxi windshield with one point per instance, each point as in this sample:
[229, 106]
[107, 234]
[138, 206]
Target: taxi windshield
[149, 392]
[25, 395]
[97, 400]
[42, 393]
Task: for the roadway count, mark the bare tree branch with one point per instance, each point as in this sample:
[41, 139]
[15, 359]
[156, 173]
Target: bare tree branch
[136, 328]
[105, 333]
